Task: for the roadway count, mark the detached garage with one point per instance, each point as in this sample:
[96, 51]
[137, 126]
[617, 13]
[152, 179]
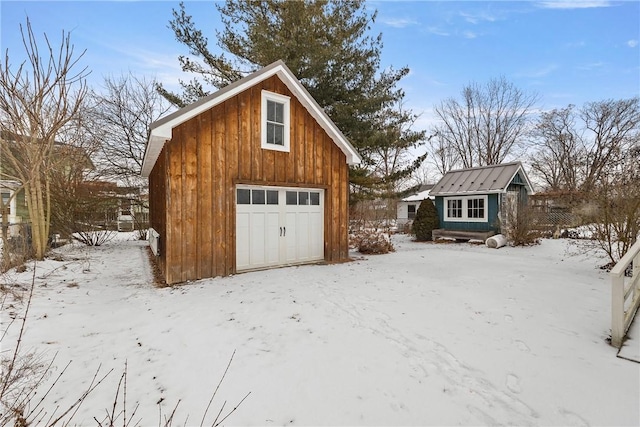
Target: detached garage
[253, 176]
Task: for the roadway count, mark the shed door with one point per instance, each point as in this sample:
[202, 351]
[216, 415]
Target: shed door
[278, 226]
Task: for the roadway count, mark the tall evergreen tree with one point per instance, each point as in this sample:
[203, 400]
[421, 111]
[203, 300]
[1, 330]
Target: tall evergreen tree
[327, 45]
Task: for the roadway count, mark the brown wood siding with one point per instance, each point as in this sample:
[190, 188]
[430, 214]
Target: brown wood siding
[157, 205]
[193, 183]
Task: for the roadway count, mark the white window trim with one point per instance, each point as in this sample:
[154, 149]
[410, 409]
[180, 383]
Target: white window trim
[12, 205]
[464, 217]
[282, 99]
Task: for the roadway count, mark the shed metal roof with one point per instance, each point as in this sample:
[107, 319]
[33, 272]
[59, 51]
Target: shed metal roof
[161, 130]
[480, 180]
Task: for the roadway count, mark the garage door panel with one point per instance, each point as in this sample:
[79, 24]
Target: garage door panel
[316, 235]
[242, 240]
[291, 251]
[273, 238]
[285, 227]
[258, 241]
[302, 238]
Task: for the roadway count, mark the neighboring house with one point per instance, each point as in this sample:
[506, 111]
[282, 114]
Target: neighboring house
[253, 176]
[472, 203]
[13, 204]
[117, 207]
[406, 208]
[66, 157]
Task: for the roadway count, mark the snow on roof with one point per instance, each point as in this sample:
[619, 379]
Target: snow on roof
[418, 197]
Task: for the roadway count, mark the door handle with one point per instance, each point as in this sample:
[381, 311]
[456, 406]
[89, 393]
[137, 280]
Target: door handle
[285, 231]
[280, 231]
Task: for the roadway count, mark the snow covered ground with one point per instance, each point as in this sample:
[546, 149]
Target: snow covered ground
[433, 334]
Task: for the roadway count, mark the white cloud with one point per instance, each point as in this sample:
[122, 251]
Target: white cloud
[573, 4]
[632, 43]
[478, 17]
[438, 31]
[399, 22]
[469, 34]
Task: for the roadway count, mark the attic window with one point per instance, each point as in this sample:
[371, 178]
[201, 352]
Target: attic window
[275, 121]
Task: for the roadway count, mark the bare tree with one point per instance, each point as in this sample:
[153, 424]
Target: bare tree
[487, 125]
[615, 128]
[617, 197]
[559, 155]
[77, 147]
[578, 151]
[124, 112]
[442, 155]
[37, 100]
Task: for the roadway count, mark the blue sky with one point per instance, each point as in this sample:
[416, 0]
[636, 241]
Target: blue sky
[568, 52]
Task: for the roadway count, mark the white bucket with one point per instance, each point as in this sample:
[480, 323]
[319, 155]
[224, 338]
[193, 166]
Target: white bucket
[497, 241]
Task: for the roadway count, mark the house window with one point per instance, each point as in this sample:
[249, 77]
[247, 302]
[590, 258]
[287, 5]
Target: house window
[454, 208]
[411, 211]
[8, 205]
[466, 209]
[475, 208]
[275, 121]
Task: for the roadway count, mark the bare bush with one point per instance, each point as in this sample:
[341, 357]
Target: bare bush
[94, 236]
[371, 241]
[618, 225]
[519, 229]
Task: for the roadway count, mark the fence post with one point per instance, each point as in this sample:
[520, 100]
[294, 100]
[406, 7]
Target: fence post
[617, 310]
[635, 275]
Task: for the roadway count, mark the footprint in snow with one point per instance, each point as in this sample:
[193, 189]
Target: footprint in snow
[522, 346]
[513, 383]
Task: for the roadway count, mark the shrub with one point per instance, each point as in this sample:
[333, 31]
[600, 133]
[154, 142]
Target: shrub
[371, 241]
[426, 221]
[519, 228]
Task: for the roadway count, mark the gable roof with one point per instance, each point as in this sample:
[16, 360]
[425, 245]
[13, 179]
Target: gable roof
[161, 130]
[480, 180]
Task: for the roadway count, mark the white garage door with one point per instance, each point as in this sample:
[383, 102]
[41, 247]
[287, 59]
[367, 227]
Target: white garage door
[278, 226]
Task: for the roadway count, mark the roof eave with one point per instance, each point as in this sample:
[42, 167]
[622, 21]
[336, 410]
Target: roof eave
[464, 193]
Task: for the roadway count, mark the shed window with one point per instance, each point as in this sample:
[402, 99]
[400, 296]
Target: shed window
[411, 211]
[275, 121]
[475, 208]
[454, 208]
[466, 209]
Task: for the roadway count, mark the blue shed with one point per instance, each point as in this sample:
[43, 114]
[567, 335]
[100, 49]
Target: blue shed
[472, 202]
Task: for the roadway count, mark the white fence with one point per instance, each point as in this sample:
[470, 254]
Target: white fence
[625, 294]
